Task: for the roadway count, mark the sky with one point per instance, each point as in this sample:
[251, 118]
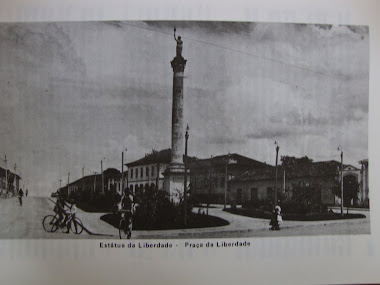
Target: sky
[75, 93]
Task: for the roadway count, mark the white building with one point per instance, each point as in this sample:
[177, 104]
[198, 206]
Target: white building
[148, 171]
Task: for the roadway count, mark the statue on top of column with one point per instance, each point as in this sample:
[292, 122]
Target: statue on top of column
[179, 44]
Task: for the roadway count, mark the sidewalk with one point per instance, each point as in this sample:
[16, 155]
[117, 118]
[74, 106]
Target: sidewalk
[94, 226]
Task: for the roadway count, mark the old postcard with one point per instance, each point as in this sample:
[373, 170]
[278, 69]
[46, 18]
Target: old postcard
[191, 139]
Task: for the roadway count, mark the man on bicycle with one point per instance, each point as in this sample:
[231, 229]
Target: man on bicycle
[60, 210]
[127, 207]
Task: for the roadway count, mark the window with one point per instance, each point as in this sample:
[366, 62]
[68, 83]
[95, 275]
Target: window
[222, 181]
[215, 182]
[131, 173]
[147, 171]
[205, 182]
[238, 196]
[254, 194]
[152, 170]
[137, 172]
[270, 193]
[141, 172]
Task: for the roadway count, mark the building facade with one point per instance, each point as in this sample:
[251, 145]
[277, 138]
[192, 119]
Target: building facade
[364, 182]
[90, 187]
[147, 172]
[13, 181]
[210, 177]
[321, 178]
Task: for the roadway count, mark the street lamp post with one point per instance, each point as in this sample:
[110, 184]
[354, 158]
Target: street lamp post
[122, 172]
[275, 190]
[185, 178]
[226, 181]
[341, 179]
[83, 179]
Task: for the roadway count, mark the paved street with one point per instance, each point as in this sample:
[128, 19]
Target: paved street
[26, 222]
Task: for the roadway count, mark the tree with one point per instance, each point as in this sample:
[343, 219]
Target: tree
[291, 161]
[350, 190]
[306, 199]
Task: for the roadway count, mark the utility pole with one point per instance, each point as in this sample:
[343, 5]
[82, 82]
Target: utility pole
[158, 175]
[275, 190]
[341, 179]
[6, 177]
[226, 182]
[68, 183]
[122, 172]
[195, 175]
[210, 185]
[185, 178]
[101, 167]
[14, 180]
[83, 179]
[95, 182]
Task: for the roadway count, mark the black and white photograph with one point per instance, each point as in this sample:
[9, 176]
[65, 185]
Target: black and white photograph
[183, 130]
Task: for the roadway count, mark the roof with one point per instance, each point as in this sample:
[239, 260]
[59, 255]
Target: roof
[108, 173]
[231, 159]
[2, 173]
[163, 156]
[307, 169]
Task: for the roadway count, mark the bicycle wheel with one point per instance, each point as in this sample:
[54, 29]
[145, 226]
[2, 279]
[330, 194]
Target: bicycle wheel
[65, 227]
[50, 223]
[76, 226]
[124, 230]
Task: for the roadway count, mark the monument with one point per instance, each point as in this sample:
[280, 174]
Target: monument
[174, 174]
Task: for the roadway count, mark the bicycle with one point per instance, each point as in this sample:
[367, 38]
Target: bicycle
[51, 223]
[125, 225]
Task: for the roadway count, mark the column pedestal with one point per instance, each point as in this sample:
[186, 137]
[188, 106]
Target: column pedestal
[174, 181]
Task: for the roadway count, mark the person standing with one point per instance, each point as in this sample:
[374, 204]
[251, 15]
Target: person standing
[276, 219]
[26, 193]
[20, 195]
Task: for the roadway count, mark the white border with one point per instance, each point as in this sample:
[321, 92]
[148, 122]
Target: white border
[292, 260]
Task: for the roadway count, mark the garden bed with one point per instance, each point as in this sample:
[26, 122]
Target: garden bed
[194, 221]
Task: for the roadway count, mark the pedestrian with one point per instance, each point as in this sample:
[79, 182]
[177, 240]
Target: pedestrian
[20, 195]
[276, 219]
[26, 193]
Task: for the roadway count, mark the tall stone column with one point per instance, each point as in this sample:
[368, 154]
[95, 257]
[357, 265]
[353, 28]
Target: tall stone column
[178, 65]
[174, 175]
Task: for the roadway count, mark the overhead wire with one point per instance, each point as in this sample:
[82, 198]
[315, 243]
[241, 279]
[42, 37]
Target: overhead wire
[260, 57]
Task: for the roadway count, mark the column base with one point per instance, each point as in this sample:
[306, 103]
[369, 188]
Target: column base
[174, 181]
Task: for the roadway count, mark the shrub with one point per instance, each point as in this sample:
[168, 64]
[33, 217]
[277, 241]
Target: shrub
[155, 210]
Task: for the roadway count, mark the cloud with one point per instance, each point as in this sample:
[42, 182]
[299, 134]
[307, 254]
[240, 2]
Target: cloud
[224, 140]
[219, 28]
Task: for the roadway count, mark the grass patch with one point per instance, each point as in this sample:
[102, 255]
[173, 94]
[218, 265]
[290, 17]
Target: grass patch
[253, 213]
[194, 221]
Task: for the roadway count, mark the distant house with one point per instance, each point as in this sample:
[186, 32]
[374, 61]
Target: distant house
[210, 177]
[90, 187]
[364, 182]
[13, 180]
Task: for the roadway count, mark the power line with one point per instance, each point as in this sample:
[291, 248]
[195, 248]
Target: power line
[244, 53]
